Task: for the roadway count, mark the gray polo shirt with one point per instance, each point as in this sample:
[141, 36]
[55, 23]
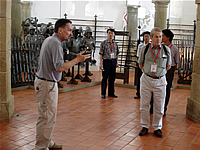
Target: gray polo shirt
[105, 49]
[174, 54]
[162, 60]
[50, 59]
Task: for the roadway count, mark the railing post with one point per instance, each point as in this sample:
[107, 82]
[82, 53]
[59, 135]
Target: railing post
[168, 23]
[95, 27]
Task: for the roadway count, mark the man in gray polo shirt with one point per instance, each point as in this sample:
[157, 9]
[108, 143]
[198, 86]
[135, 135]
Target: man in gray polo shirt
[167, 38]
[49, 72]
[154, 65]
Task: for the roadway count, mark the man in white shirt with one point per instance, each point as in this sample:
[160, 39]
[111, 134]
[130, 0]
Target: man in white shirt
[146, 39]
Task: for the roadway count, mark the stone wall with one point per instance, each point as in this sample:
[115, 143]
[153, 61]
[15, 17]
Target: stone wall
[6, 98]
[193, 103]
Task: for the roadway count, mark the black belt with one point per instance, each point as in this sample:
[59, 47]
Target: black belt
[154, 77]
[109, 59]
[45, 79]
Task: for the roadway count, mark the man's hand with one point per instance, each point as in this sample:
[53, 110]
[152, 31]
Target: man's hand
[101, 66]
[117, 65]
[81, 58]
[141, 66]
[168, 67]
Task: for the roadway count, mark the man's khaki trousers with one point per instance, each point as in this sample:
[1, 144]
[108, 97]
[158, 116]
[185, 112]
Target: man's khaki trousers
[158, 88]
[47, 99]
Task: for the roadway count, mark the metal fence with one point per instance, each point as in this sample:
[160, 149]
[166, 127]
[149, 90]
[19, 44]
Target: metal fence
[184, 40]
[23, 63]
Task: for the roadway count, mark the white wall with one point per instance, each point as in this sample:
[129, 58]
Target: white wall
[179, 11]
[183, 12]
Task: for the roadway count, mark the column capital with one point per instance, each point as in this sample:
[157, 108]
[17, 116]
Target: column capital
[161, 1]
[133, 6]
[197, 2]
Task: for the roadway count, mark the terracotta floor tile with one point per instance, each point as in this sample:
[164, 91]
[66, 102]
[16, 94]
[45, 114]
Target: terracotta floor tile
[96, 147]
[177, 134]
[120, 143]
[9, 147]
[173, 138]
[196, 125]
[177, 146]
[112, 147]
[88, 133]
[96, 138]
[5, 142]
[21, 142]
[169, 143]
[130, 147]
[104, 143]
[86, 121]
[136, 143]
[153, 142]
[188, 138]
[163, 147]
[193, 129]
[79, 147]
[87, 143]
[111, 138]
[196, 142]
[185, 143]
[80, 138]
[127, 138]
[71, 143]
[194, 147]
[146, 147]
[144, 138]
[25, 147]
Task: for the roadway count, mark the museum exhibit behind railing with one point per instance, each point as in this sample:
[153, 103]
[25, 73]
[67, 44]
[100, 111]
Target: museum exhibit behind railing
[184, 40]
[25, 49]
[88, 35]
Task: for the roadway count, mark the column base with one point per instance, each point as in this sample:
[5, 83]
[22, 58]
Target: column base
[193, 109]
[7, 109]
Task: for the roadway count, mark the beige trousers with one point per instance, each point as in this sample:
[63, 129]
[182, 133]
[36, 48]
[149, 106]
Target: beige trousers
[158, 87]
[47, 99]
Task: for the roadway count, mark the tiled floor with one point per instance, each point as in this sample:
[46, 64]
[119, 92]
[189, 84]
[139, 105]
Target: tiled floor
[87, 122]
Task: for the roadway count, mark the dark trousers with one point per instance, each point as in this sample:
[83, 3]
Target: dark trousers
[169, 78]
[109, 72]
[139, 74]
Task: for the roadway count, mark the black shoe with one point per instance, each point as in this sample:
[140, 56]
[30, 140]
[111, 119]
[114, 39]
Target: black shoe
[113, 96]
[158, 133]
[143, 132]
[137, 97]
[151, 111]
[103, 96]
[164, 112]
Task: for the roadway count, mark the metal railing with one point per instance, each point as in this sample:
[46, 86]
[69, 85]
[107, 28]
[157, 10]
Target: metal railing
[23, 63]
[184, 40]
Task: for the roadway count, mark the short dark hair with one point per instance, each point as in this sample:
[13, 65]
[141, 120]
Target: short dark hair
[169, 34]
[111, 29]
[146, 32]
[61, 23]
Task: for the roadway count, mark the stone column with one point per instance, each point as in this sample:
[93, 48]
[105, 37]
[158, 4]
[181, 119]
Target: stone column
[193, 103]
[25, 10]
[160, 19]
[16, 18]
[6, 98]
[132, 19]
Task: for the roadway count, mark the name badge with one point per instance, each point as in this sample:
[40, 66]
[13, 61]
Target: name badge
[112, 55]
[153, 68]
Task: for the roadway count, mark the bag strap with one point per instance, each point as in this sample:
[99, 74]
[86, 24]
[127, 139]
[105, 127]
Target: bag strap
[147, 47]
